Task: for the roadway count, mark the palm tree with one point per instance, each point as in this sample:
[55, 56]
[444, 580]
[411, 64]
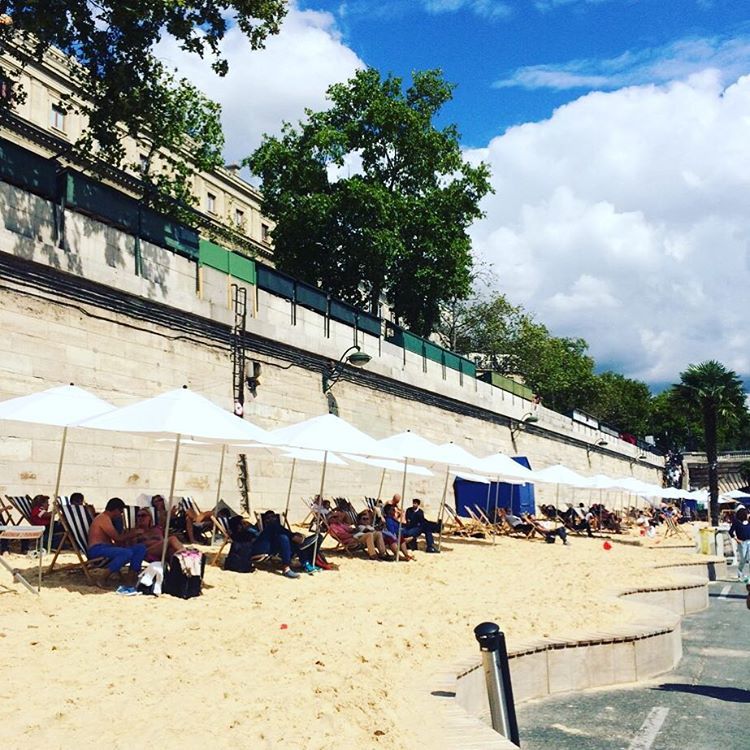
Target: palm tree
[712, 391]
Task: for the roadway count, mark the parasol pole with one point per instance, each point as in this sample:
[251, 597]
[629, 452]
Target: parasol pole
[289, 494]
[442, 507]
[50, 534]
[171, 500]
[218, 490]
[401, 508]
[322, 487]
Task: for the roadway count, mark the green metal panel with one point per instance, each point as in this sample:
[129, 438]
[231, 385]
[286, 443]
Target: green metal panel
[508, 384]
[27, 170]
[242, 268]
[413, 343]
[169, 233]
[369, 323]
[213, 256]
[452, 360]
[311, 297]
[394, 334]
[433, 352]
[342, 312]
[468, 367]
[100, 201]
[274, 282]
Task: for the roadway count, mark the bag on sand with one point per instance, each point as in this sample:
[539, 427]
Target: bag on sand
[184, 576]
[238, 559]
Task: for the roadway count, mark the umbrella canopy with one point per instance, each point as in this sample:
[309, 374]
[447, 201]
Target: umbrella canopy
[498, 464]
[390, 464]
[409, 445]
[559, 474]
[636, 486]
[62, 406]
[736, 494]
[327, 433]
[601, 482]
[306, 454]
[470, 476]
[178, 412]
[455, 455]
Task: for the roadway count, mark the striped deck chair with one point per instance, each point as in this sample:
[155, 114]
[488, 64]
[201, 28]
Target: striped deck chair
[343, 504]
[22, 504]
[221, 525]
[77, 523]
[130, 513]
[6, 513]
[188, 504]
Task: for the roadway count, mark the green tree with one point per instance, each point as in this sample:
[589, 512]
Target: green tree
[398, 225]
[622, 402]
[125, 88]
[713, 392]
[511, 342]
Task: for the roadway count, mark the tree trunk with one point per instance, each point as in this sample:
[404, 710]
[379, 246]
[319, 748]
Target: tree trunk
[709, 430]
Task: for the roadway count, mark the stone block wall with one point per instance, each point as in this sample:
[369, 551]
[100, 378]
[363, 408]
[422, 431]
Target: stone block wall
[47, 339]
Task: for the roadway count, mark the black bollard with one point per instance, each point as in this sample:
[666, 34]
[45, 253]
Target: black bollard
[497, 674]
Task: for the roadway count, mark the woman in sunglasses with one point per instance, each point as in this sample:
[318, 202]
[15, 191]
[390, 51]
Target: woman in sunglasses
[153, 537]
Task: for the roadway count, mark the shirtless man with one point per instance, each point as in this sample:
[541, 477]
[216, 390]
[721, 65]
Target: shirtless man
[105, 541]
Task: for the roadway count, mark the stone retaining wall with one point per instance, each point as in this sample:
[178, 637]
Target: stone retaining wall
[627, 654]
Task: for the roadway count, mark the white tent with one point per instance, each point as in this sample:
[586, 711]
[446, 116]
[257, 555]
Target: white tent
[178, 413]
[500, 465]
[736, 495]
[61, 406]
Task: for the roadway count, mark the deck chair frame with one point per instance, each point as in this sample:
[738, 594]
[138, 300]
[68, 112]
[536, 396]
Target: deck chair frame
[76, 522]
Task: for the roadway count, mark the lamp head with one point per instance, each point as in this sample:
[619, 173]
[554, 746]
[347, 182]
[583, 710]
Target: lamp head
[358, 359]
[601, 442]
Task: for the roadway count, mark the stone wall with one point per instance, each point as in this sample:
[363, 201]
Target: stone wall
[49, 337]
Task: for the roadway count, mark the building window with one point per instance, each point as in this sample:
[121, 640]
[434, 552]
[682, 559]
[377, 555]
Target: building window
[57, 117]
[211, 203]
[239, 217]
[265, 232]
[143, 163]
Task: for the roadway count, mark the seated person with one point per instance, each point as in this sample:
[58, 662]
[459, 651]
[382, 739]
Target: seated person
[275, 539]
[546, 529]
[576, 520]
[390, 533]
[153, 537]
[105, 541]
[176, 519]
[395, 503]
[77, 498]
[41, 516]
[341, 530]
[416, 524]
[514, 523]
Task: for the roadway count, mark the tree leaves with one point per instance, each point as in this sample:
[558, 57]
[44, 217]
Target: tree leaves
[395, 225]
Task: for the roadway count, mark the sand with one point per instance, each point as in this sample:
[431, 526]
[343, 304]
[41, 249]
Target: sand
[344, 658]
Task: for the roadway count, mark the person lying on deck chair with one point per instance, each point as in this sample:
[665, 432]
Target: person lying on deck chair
[504, 515]
[159, 504]
[341, 530]
[153, 537]
[547, 529]
[105, 541]
[417, 524]
[275, 539]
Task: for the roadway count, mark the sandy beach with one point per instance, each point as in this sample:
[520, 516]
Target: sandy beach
[340, 659]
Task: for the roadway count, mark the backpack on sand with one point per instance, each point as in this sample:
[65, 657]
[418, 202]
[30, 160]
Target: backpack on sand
[184, 576]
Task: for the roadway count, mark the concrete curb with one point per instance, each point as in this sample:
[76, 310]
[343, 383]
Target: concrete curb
[548, 666]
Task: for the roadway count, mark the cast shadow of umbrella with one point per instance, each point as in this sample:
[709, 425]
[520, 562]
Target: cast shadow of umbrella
[720, 692]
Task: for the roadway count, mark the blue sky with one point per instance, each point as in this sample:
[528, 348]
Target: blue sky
[616, 132]
[515, 61]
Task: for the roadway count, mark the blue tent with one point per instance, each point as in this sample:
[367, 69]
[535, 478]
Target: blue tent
[518, 497]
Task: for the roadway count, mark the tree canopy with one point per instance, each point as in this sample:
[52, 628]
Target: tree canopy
[370, 198]
[714, 393]
[124, 88]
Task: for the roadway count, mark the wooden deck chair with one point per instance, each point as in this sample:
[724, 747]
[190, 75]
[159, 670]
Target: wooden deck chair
[6, 513]
[349, 547]
[483, 526]
[484, 518]
[673, 528]
[221, 525]
[459, 526]
[77, 523]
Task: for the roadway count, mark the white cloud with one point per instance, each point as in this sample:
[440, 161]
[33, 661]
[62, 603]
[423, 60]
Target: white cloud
[623, 219]
[484, 8]
[673, 61]
[264, 88]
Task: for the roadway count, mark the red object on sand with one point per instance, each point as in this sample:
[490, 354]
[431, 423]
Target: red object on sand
[283, 626]
[607, 545]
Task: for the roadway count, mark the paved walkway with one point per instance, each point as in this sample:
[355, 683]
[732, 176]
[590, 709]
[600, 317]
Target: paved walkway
[697, 707]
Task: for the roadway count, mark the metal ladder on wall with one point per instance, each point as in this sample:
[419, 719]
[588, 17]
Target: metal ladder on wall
[239, 306]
